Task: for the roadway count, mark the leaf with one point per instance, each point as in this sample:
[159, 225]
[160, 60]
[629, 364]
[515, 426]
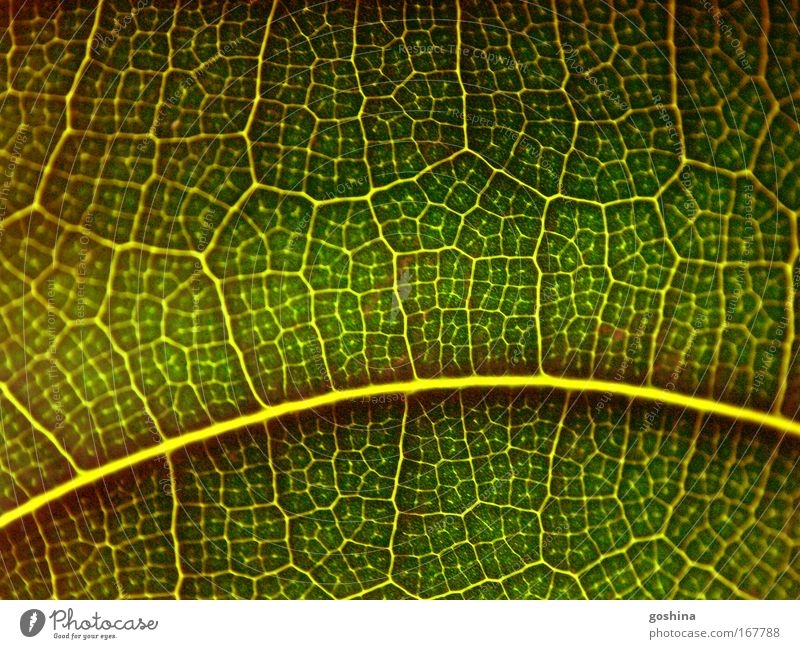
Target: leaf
[383, 300]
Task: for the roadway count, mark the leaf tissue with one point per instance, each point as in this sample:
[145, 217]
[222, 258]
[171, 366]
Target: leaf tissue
[391, 299]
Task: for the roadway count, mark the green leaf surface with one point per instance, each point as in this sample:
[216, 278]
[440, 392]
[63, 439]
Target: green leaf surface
[394, 299]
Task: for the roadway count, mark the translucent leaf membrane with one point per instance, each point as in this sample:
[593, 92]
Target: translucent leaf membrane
[492, 495]
[212, 211]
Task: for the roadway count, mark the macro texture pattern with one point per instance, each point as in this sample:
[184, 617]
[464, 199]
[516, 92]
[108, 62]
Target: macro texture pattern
[481, 299]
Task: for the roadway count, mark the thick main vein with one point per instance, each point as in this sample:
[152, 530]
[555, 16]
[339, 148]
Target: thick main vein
[573, 385]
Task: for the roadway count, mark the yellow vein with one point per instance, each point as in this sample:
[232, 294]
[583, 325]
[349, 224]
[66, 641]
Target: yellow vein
[695, 403]
[8, 394]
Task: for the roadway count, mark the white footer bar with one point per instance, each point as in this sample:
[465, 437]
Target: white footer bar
[401, 624]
